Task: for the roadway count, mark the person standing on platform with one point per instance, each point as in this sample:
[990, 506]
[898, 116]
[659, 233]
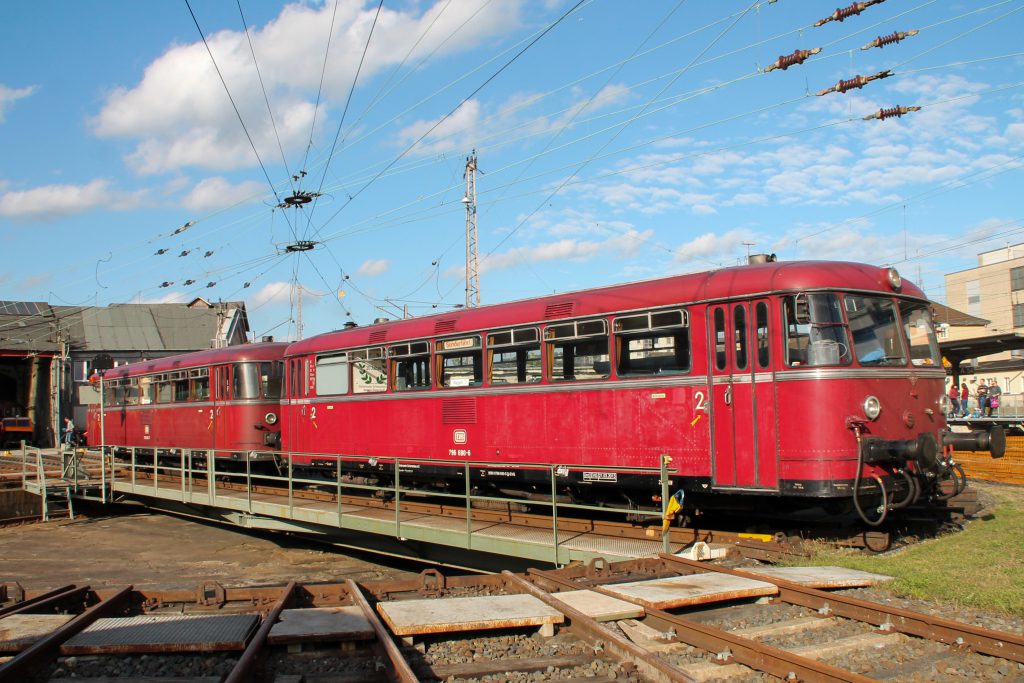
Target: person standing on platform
[982, 398]
[995, 394]
[964, 395]
[954, 400]
[69, 432]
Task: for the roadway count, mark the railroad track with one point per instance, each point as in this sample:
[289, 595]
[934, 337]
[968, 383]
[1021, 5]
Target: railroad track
[656, 619]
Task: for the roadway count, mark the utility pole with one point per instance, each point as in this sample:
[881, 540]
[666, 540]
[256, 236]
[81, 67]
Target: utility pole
[472, 257]
[298, 320]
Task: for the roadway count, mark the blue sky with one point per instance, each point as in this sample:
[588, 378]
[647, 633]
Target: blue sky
[617, 141]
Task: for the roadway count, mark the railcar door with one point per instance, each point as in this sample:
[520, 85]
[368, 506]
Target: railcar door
[743, 453]
[220, 415]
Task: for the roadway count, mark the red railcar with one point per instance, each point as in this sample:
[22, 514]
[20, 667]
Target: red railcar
[222, 401]
[795, 380]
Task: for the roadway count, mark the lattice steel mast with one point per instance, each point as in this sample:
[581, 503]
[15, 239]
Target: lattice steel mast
[472, 255]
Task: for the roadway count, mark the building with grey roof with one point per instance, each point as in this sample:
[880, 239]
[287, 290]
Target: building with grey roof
[47, 353]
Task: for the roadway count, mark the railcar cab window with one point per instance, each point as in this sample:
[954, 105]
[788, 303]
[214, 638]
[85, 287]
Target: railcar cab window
[652, 343]
[917, 323]
[876, 332]
[815, 331]
[513, 356]
[332, 375]
[410, 365]
[460, 362]
[252, 380]
[369, 371]
[578, 350]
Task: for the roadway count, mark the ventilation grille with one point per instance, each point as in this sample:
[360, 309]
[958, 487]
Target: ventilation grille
[378, 336]
[563, 309]
[443, 326]
[458, 411]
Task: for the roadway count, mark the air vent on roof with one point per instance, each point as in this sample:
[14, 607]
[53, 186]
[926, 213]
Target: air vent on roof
[378, 336]
[443, 326]
[458, 411]
[560, 310]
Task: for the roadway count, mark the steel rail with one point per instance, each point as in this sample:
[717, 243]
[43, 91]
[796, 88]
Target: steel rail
[758, 656]
[44, 600]
[400, 668]
[242, 670]
[647, 663]
[958, 634]
[48, 647]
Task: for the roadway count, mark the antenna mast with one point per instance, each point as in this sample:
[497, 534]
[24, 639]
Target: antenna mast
[472, 256]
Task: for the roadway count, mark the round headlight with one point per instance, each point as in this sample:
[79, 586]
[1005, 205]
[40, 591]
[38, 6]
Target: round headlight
[270, 418]
[895, 281]
[872, 407]
[945, 405]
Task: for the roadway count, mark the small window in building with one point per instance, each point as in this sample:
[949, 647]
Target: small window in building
[514, 356]
[369, 371]
[1018, 315]
[411, 366]
[81, 370]
[332, 375]
[578, 350]
[1017, 279]
[652, 343]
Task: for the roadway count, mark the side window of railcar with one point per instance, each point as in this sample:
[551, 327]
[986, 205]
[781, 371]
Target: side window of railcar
[815, 331]
[147, 390]
[513, 356]
[917, 323]
[460, 362]
[720, 346]
[332, 375]
[410, 365]
[652, 343]
[763, 338]
[876, 333]
[131, 392]
[200, 380]
[578, 350]
[164, 389]
[369, 371]
[180, 380]
[739, 336]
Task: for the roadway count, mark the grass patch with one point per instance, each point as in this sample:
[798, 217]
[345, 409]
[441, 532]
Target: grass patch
[981, 566]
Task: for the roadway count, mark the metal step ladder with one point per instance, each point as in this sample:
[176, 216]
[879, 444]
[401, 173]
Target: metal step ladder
[57, 502]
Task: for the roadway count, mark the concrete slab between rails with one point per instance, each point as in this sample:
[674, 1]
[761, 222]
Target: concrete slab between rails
[418, 617]
[486, 537]
[321, 624]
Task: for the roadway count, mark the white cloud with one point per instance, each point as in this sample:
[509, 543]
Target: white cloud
[8, 96]
[55, 201]
[272, 293]
[620, 245]
[179, 114]
[714, 248]
[1015, 132]
[372, 267]
[217, 193]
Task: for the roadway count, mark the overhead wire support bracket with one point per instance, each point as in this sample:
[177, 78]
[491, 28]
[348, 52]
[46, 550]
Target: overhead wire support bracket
[301, 245]
[298, 199]
[847, 12]
[857, 81]
[891, 112]
[894, 37]
[796, 57]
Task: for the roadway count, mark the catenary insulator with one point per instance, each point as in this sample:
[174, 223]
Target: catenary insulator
[855, 82]
[165, 283]
[895, 37]
[185, 253]
[786, 61]
[847, 12]
[186, 283]
[891, 112]
[159, 252]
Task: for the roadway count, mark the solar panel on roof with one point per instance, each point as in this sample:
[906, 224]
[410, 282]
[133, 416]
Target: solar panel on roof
[19, 308]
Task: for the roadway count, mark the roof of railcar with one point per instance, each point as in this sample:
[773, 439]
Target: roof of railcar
[680, 289]
[196, 359]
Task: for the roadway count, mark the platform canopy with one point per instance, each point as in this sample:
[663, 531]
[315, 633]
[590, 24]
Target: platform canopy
[957, 351]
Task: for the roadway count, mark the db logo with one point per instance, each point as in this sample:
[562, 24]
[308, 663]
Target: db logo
[459, 436]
